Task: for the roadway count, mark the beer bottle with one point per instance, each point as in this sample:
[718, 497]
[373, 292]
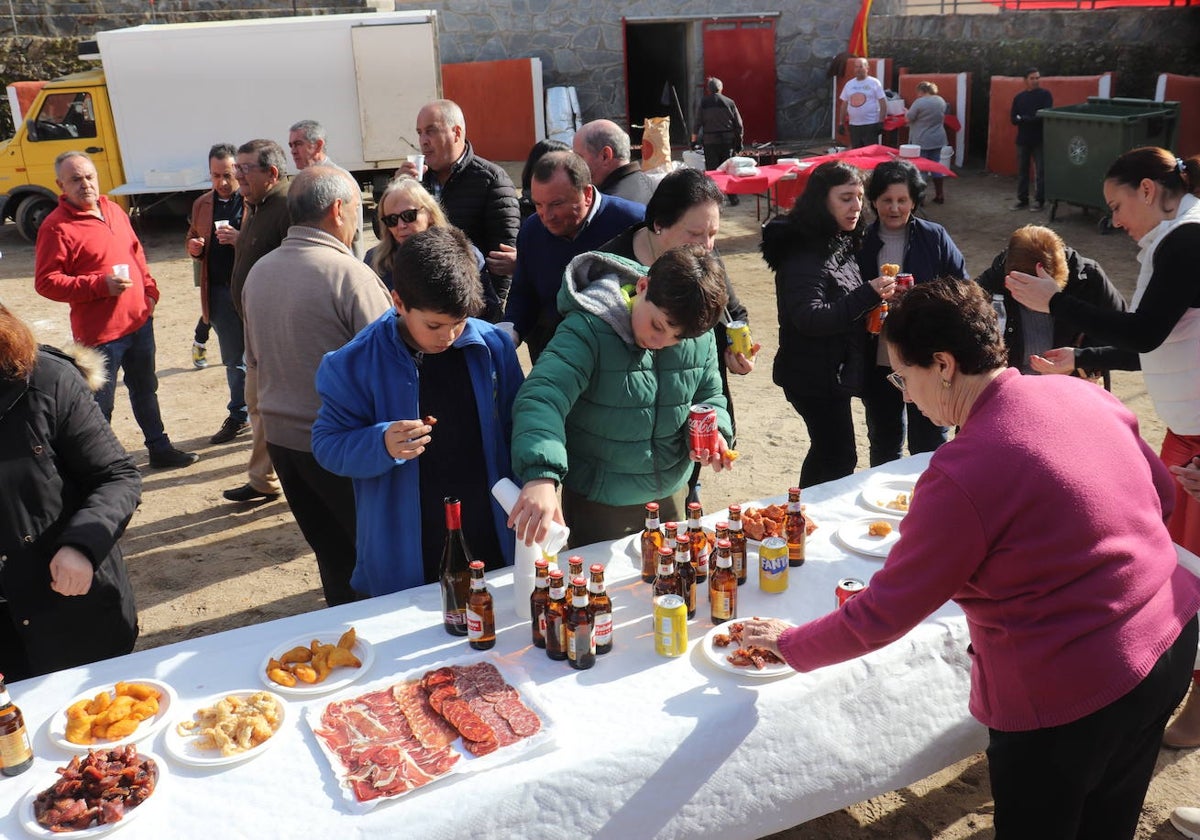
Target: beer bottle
[671, 529]
[538, 599]
[722, 586]
[556, 617]
[685, 570]
[455, 571]
[793, 528]
[16, 753]
[481, 612]
[701, 544]
[666, 581]
[737, 543]
[652, 539]
[574, 567]
[581, 632]
[600, 605]
[720, 532]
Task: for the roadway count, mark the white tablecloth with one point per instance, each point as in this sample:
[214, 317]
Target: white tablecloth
[644, 746]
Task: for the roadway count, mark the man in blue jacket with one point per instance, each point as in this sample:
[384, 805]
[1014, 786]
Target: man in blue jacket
[416, 408]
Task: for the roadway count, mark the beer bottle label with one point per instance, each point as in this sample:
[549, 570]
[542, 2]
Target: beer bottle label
[474, 624]
[454, 617]
[604, 628]
[541, 620]
[15, 748]
[702, 561]
[721, 607]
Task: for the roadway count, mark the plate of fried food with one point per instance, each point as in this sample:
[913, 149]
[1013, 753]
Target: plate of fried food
[317, 663]
[889, 495]
[760, 523]
[873, 536]
[112, 716]
[227, 728]
[723, 647]
[94, 794]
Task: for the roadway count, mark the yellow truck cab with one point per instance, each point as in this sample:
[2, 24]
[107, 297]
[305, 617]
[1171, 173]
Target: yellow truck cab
[69, 114]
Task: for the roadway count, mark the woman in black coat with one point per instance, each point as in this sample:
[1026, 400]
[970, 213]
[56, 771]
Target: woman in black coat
[69, 490]
[822, 302]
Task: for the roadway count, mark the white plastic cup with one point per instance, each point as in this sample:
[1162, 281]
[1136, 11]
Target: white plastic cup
[419, 161]
[524, 577]
[121, 270]
[506, 493]
[220, 223]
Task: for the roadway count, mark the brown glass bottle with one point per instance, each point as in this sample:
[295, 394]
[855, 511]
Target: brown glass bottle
[455, 572]
[16, 753]
[685, 569]
[793, 528]
[481, 612]
[723, 587]
[574, 567]
[652, 540]
[737, 543]
[581, 632]
[538, 600]
[556, 617]
[600, 605]
[701, 544]
[666, 581]
[670, 530]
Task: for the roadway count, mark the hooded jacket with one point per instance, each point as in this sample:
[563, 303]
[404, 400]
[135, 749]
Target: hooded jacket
[601, 415]
[66, 481]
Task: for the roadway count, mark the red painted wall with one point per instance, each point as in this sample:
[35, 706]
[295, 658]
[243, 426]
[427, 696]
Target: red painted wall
[497, 98]
[1186, 90]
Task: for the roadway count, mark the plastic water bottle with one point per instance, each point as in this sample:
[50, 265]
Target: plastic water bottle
[1001, 314]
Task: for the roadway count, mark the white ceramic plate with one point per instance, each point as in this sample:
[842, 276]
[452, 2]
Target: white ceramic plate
[30, 824]
[717, 656]
[877, 494]
[58, 724]
[853, 535]
[338, 678]
[183, 748]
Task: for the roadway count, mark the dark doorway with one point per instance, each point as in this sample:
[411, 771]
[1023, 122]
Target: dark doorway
[656, 64]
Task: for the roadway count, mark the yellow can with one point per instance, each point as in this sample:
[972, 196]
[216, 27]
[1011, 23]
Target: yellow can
[670, 625]
[737, 333]
[773, 565]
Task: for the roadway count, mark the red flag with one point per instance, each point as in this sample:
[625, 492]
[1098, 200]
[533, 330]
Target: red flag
[858, 33]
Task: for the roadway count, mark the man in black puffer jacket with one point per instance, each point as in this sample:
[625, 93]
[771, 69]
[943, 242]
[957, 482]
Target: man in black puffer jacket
[477, 195]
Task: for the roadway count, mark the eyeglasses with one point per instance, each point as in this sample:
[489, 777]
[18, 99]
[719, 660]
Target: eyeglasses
[407, 216]
[897, 380]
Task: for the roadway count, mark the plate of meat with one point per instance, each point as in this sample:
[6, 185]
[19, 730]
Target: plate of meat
[94, 795]
[722, 646]
[394, 737]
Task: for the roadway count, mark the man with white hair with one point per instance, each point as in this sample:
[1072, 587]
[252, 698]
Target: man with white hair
[605, 147]
[306, 140]
[304, 299]
[718, 127]
[477, 195]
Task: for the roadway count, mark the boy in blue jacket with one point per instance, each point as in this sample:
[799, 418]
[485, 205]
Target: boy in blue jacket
[418, 407]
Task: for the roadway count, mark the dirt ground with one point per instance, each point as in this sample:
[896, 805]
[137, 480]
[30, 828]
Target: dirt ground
[201, 564]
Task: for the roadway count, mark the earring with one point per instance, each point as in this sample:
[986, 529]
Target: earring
[945, 383]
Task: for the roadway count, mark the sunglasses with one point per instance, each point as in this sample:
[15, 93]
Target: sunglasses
[407, 216]
[897, 380]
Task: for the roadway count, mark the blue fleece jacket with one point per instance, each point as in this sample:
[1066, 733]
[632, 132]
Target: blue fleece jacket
[372, 382]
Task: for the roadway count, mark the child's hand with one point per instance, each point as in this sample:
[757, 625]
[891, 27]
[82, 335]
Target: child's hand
[406, 439]
[535, 509]
[721, 459]
[739, 363]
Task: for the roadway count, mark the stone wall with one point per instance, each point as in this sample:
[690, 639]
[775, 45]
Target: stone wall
[1136, 44]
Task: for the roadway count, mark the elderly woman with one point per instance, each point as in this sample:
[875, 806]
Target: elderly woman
[1043, 520]
[1029, 333]
[69, 490]
[927, 128]
[822, 300]
[405, 208]
[925, 250]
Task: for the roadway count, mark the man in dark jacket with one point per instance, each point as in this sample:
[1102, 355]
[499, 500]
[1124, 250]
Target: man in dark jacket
[605, 147]
[718, 128]
[1025, 107]
[477, 195]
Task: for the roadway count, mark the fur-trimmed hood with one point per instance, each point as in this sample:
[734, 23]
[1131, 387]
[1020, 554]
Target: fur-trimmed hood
[87, 360]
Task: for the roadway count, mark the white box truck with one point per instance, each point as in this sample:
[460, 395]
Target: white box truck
[166, 93]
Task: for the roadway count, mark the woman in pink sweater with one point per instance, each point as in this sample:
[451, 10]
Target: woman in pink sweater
[1044, 520]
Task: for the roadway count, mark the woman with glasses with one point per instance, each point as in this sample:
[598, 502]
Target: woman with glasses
[822, 302]
[406, 208]
[1043, 520]
[925, 250]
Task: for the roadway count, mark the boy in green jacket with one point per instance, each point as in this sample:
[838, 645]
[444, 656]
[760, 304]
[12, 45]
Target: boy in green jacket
[604, 411]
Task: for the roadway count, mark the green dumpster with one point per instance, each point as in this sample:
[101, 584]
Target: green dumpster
[1082, 141]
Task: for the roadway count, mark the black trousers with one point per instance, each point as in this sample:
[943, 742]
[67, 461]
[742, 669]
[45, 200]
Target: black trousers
[1087, 779]
[831, 452]
[323, 504]
[888, 416]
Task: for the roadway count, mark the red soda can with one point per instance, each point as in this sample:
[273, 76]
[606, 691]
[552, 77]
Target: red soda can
[904, 282]
[702, 428]
[847, 588]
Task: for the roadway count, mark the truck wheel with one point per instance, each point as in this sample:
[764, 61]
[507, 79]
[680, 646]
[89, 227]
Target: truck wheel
[32, 212]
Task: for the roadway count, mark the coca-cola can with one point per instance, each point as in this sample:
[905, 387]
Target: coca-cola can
[904, 282]
[847, 588]
[702, 428]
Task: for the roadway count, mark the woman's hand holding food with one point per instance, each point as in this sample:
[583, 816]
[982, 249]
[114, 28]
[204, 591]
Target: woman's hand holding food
[406, 439]
[1032, 291]
[884, 286]
[764, 633]
[1058, 360]
[70, 572]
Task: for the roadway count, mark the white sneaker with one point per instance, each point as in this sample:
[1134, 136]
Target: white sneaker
[1187, 821]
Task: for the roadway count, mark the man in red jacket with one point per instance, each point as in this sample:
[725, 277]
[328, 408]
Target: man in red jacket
[89, 257]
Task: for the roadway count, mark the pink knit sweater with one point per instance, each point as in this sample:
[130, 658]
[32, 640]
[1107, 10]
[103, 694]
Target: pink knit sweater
[1043, 520]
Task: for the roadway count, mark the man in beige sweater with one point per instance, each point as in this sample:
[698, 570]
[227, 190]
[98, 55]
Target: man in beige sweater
[304, 299]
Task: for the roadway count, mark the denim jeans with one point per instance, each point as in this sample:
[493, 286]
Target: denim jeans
[1024, 153]
[134, 354]
[231, 336]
